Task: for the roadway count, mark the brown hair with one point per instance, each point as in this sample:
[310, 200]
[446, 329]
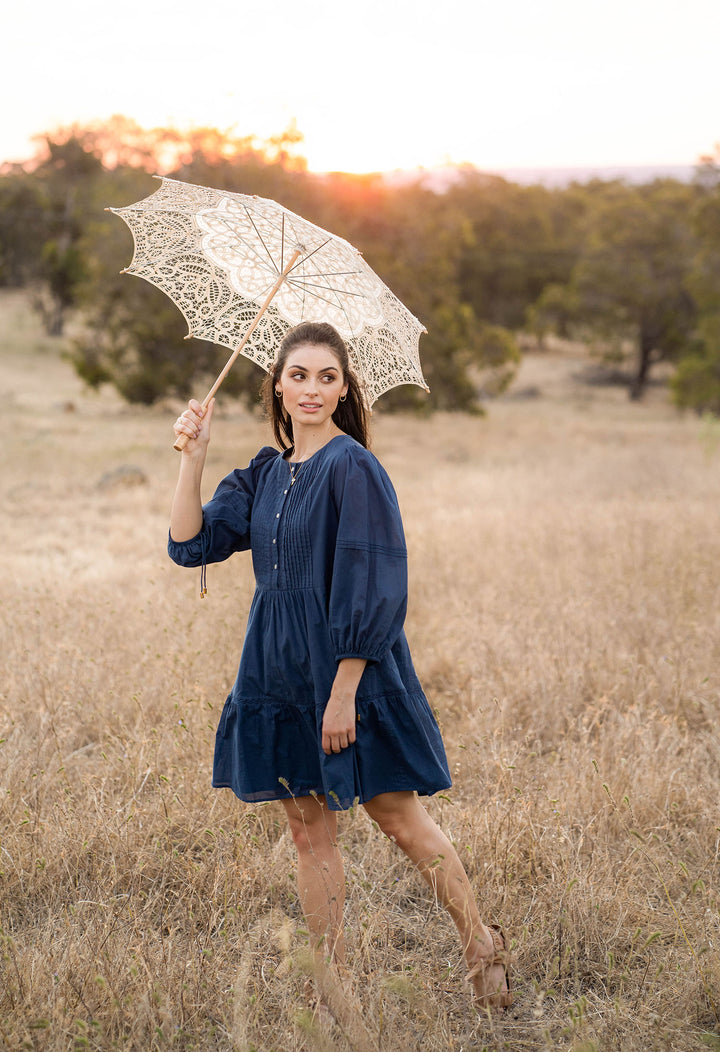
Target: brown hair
[351, 416]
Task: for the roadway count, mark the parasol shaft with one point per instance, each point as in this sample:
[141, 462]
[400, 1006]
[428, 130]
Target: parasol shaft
[182, 440]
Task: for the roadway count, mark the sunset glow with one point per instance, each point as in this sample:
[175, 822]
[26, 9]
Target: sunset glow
[381, 86]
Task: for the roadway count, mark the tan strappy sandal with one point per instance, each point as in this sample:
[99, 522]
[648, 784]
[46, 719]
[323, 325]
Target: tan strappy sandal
[493, 998]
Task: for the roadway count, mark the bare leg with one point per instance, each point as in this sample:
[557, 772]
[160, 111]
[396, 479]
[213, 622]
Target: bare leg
[320, 873]
[403, 819]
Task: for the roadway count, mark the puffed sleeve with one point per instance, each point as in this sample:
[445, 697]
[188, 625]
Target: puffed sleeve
[226, 517]
[368, 592]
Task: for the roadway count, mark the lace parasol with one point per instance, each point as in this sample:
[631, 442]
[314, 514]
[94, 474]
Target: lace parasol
[243, 270]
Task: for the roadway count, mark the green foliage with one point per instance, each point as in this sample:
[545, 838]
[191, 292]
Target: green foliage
[556, 309]
[520, 239]
[43, 223]
[62, 269]
[134, 337]
[413, 238]
[135, 340]
[696, 382]
[498, 356]
[630, 280]
[22, 228]
[605, 262]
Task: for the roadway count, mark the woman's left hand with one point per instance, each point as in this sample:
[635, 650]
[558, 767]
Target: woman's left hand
[338, 726]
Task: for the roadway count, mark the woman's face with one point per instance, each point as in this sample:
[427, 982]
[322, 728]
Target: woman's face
[311, 384]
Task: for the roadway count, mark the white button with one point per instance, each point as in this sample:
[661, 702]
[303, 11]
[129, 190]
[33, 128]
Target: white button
[274, 541]
[278, 515]
[284, 491]
[275, 566]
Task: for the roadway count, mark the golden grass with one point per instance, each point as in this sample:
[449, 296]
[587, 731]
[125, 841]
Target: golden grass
[565, 620]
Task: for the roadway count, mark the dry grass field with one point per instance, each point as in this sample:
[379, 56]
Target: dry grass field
[565, 620]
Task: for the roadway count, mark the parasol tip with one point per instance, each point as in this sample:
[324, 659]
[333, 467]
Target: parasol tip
[188, 337]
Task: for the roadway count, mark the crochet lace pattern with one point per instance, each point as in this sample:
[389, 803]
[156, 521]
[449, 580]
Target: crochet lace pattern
[217, 255]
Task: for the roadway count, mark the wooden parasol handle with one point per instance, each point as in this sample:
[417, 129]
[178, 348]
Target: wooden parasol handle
[182, 440]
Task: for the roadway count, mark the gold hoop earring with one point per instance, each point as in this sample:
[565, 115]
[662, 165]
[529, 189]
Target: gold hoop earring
[343, 397]
[278, 394]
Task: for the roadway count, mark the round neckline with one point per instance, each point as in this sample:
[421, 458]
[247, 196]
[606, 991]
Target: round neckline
[299, 463]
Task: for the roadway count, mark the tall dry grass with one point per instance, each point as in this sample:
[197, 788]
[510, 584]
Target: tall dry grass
[564, 618]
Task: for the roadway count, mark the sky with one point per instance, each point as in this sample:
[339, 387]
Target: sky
[380, 85]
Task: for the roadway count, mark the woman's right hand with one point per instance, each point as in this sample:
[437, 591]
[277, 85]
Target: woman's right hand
[195, 423]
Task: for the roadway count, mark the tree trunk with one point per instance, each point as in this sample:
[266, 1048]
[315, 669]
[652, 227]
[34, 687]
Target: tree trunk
[55, 320]
[645, 350]
[51, 311]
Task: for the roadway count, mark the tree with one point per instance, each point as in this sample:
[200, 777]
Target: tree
[521, 239]
[66, 177]
[132, 336]
[413, 239]
[44, 208]
[696, 383]
[22, 227]
[555, 310]
[417, 239]
[135, 341]
[631, 278]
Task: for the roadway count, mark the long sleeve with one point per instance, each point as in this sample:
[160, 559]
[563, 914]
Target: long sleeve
[368, 593]
[226, 518]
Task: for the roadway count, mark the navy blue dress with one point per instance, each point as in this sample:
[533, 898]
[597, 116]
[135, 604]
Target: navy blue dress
[331, 571]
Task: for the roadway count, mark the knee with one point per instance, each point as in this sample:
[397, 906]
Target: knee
[393, 824]
[310, 833]
[400, 816]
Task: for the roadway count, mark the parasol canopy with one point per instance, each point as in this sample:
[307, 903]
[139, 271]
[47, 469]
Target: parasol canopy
[244, 269]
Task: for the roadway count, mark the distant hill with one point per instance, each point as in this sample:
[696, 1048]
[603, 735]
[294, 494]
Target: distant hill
[644, 173]
[441, 178]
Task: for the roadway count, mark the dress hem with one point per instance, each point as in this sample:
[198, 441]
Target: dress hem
[276, 797]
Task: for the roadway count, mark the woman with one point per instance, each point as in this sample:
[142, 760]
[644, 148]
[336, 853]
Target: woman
[326, 710]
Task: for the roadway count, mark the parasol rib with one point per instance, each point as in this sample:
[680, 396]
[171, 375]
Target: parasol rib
[262, 240]
[310, 285]
[319, 247]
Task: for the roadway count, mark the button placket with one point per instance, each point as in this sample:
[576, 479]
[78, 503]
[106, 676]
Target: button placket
[277, 524]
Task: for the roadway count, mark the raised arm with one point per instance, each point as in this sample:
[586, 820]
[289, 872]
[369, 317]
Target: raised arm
[186, 517]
